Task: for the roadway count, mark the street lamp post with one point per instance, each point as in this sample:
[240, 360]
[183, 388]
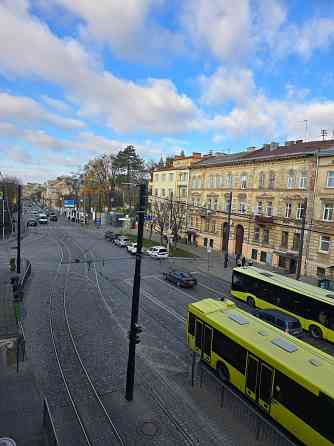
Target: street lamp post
[3, 206]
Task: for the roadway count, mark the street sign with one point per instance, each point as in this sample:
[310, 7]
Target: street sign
[70, 203]
[97, 221]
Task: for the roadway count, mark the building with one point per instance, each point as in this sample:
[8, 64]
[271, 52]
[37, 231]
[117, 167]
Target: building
[56, 191]
[272, 188]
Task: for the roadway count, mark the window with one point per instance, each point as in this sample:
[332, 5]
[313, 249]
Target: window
[303, 180]
[321, 272]
[229, 180]
[229, 350]
[296, 241]
[220, 181]
[209, 203]
[291, 179]
[257, 233]
[263, 256]
[328, 211]
[254, 254]
[271, 180]
[227, 202]
[259, 207]
[324, 244]
[262, 178]
[282, 261]
[156, 192]
[243, 181]
[215, 204]
[170, 193]
[163, 192]
[163, 177]
[170, 177]
[269, 209]
[288, 209]
[285, 239]
[300, 210]
[265, 235]
[211, 181]
[330, 179]
[242, 207]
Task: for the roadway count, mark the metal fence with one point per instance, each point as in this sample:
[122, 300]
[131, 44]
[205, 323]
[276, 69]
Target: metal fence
[263, 430]
[48, 425]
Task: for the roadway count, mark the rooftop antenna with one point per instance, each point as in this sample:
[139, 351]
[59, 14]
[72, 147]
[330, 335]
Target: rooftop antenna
[323, 134]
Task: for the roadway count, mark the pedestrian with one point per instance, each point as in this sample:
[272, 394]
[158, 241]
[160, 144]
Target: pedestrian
[243, 261]
[225, 260]
[237, 259]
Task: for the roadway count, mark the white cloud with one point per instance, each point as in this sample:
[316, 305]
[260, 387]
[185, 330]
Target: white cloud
[237, 85]
[222, 26]
[154, 105]
[27, 110]
[56, 104]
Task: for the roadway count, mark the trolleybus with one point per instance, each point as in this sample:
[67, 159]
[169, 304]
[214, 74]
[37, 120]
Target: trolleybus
[291, 381]
[313, 306]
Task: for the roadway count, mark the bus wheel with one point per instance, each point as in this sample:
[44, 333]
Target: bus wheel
[315, 332]
[251, 301]
[222, 372]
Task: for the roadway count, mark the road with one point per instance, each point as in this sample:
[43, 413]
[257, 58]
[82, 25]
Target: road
[90, 309]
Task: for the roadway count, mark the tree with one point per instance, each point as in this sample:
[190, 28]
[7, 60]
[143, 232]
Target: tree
[182, 153]
[178, 215]
[160, 214]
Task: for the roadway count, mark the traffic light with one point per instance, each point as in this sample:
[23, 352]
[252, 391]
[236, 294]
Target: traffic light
[138, 330]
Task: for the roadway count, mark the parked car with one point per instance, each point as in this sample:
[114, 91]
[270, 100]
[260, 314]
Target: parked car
[181, 279]
[53, 217]
[132, 248]
[43, 220]
[31, 222]
[122, 241]
[109, 235]
[285, 322]
[158, 252]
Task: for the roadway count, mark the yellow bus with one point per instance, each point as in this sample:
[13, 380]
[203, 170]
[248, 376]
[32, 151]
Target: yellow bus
[289, 380]
[313, 306]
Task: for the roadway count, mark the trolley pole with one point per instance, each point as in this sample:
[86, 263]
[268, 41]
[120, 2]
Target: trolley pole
[135, 330]
[228, 229]
[301, 242]
[18, 257]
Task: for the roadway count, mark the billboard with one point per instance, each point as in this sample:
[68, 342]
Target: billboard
[70, 203]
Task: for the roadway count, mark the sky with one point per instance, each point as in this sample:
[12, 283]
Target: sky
[79, 78]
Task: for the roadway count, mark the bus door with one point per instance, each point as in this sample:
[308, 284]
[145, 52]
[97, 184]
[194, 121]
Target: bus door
[207, 343]
[266, 387]
[198, 335]
[252, 376]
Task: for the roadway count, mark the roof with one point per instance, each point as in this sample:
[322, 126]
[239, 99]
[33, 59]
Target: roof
[303, 361]
[268, 152]
[292, 284]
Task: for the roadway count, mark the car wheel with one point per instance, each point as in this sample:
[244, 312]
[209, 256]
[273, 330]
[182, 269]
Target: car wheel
[222, 372]
[251, 301]
[316, 332]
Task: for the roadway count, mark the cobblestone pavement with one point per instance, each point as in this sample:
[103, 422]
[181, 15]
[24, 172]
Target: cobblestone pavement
[166, 409]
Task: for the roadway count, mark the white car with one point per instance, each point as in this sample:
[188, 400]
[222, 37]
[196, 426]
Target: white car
[122, 242]
[132, 248]
[158, 252]
[43, 220]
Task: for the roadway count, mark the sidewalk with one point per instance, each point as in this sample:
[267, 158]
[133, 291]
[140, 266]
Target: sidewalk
[20, 402]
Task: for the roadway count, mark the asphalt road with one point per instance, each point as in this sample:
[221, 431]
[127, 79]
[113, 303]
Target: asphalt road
[166, 410]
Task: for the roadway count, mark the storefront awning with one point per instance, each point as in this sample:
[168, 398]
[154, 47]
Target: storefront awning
[290, 255]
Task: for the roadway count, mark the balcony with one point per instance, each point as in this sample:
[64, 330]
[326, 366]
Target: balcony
[263, 219]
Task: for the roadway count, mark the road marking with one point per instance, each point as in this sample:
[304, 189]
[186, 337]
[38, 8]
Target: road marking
[175, 288]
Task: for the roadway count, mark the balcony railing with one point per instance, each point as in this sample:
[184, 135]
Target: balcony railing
[263, 219]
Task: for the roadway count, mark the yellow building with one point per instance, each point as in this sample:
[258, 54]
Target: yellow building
[270, 188]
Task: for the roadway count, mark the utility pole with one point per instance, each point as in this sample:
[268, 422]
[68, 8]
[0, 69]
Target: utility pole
[18, 257]
[169, 221]
[229, 209]
[323, 134]
[3, 209]
[135, 329]
[301, 241]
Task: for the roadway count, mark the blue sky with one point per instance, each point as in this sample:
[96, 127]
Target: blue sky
[79, 78]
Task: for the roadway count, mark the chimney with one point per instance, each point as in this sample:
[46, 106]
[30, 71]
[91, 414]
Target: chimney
[197, 155]
[273, 145]
[289, 143]
[298, 141]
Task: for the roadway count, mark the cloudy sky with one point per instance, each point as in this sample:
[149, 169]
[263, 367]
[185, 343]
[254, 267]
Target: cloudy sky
[83, 77]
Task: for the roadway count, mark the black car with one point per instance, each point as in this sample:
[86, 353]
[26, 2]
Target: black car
[53, 217]
[281, 320]
[181, 279]
[109, 235]
[31, 222]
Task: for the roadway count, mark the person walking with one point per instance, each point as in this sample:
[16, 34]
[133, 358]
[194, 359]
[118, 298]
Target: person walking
[226, 260]
[243, 261]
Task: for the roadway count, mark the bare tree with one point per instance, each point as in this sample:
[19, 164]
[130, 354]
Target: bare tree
[178, 217]
[160, 213]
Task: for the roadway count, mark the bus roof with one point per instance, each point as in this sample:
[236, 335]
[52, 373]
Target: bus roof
[301, 361]
[286, 282]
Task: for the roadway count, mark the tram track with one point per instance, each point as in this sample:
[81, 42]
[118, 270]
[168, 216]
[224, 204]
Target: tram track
[188, 436]
[92, 417]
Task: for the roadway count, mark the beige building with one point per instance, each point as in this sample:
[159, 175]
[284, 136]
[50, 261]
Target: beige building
[56, 191]
[270, 189]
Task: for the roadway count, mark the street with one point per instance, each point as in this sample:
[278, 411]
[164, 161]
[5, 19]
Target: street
[91, 300]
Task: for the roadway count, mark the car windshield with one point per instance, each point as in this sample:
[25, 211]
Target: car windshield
[186, 275]
[162, 251]
[294, 324]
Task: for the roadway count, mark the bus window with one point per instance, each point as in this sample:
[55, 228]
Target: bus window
[199, 330]
[266, 382]
[323, 318]
[191, 324]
